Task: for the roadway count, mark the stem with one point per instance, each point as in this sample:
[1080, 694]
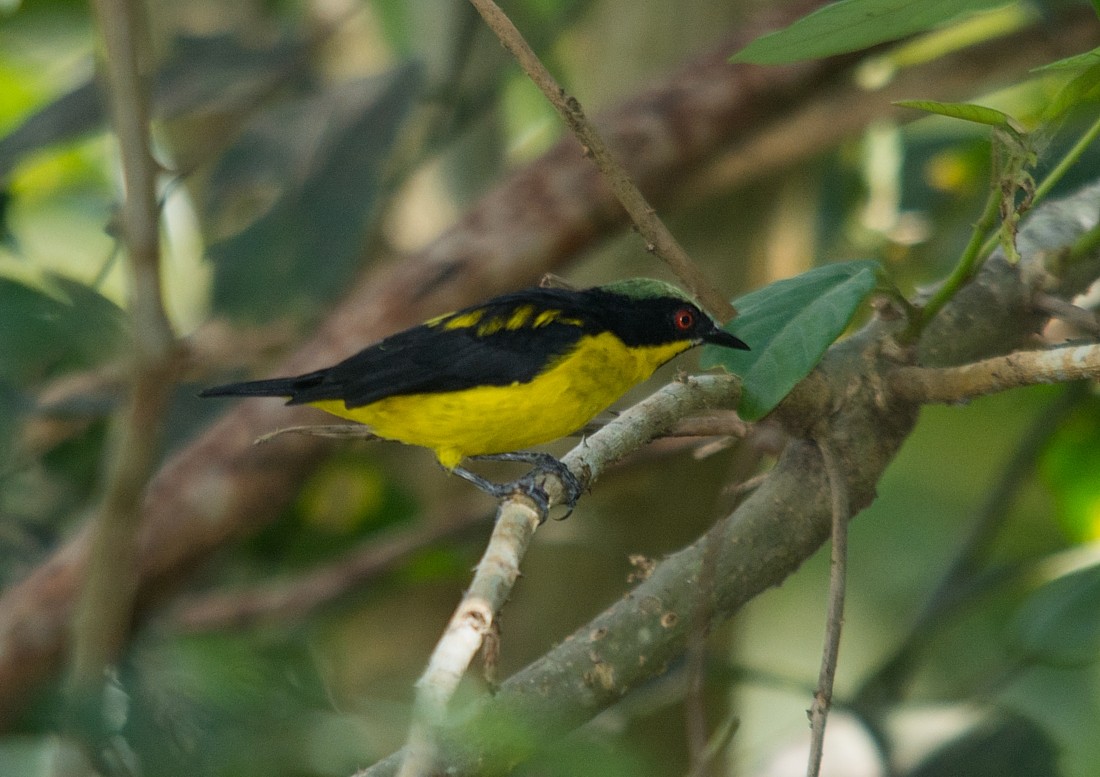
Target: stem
[1069, 160]
[838, 573]
[659, 239]
[967, 266]
[105, 606]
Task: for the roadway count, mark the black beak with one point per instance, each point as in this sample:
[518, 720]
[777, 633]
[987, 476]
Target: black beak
[717, 337]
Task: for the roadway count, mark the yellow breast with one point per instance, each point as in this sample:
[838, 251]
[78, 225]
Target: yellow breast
[502, 419]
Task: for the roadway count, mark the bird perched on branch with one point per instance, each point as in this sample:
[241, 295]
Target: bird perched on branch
[519, 370]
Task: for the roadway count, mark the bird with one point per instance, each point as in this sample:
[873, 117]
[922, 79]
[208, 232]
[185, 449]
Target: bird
[519, 370]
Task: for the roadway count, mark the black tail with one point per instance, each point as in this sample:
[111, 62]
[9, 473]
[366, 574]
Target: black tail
[274, 387]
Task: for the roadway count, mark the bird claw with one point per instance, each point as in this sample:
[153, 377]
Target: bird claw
[530, 485]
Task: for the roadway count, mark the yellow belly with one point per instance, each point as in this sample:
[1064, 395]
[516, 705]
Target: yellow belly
[501, 419]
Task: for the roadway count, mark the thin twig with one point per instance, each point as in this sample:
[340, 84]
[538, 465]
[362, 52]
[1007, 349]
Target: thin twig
[965, 269]
[695, 711]
[1083, 320]
[658, 238]
[838, 572]
[1023, 368]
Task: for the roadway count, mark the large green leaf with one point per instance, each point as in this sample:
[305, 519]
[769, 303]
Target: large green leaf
[789, 324]
[851, 25]
[1059, 623]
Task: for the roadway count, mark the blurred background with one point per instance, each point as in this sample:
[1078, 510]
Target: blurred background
[309, 144]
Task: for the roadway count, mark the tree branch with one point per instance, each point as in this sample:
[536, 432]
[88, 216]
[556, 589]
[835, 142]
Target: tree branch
[1000, 373]
[106, 603]
[658, 238]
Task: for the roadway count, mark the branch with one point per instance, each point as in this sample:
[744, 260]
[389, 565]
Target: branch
[474, 619]
[1022, 368]
[658, 238]
[838, 573]
[105, 608]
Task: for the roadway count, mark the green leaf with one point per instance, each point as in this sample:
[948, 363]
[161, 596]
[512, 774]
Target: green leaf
[60, 326]
[1076, 62]
[978, 114]
[317, 168]
[1012, 746]
[1068, 468]
[1059, 623]
[1082, 88]
[789, 325]
[852, 25]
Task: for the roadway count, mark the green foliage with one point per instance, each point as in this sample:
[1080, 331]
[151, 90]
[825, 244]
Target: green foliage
[789, 325]
[1059, 623]
[345, 502]
[851, 25]
[59, 326]
[1076, 62]
[1068, 467]
[1083, 89]
[978, 114]
[310, 237]
[1011, 747]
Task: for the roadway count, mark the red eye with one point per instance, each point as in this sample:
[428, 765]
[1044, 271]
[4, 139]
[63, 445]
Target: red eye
[684, 319]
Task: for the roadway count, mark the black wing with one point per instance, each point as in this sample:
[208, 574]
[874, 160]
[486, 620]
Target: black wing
[428, 360]
[432, 358]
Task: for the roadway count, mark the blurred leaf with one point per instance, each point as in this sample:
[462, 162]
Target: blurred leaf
[201, 705]
[1015, 747]
[978, 114]
[789, 324]
[222, 74]
[308, 241]
[1082, 88]
[1068, 468]
[26, 755]
[1059, 623]
[44, 333]
[851, 25]
[343, 503]
[65, 118]
[202, 75]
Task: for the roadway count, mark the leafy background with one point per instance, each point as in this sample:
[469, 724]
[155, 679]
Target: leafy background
[289, 127]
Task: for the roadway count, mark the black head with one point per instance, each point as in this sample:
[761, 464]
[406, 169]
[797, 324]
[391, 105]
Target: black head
[644, 312]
